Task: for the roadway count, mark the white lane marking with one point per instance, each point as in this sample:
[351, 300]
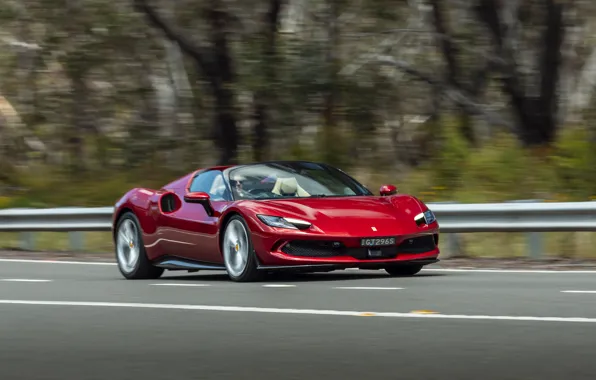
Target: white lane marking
[178, 284]
[579, 291]
[366, 288]
[467, 269]
[24, 280]
[56, 262]
[300, 311]
[279, 286]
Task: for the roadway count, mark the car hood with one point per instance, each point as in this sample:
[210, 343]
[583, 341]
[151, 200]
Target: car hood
[349, 216]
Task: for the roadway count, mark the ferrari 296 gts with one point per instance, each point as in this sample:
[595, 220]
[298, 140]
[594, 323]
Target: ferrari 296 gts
[252, 219]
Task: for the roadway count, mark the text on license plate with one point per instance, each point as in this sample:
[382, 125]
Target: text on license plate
[377, 242]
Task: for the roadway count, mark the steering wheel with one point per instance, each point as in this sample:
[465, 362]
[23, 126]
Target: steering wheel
[256, 191]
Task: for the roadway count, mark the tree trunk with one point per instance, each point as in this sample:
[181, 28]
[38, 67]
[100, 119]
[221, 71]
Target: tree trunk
[330, 123]
[263, 100]
[222, 85]
[454, 72]
[79, 123]
[537, 116]
[215, 64]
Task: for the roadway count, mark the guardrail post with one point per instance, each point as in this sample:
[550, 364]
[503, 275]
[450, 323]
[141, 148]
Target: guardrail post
[453, 246]
[27, 241]
[533, 239]
[76, 240]
[535, 244]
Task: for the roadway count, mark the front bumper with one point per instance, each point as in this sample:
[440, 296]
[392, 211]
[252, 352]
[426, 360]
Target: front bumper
[277, 252]
[320, 267]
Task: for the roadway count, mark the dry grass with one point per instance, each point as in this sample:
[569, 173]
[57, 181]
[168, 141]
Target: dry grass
[577, 245]
[58, 241]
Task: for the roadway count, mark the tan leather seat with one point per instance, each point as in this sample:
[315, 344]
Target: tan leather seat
[286, 186]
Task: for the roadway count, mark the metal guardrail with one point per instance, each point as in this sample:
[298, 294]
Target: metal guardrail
[520, 216]
[65, 219]
[453, 217]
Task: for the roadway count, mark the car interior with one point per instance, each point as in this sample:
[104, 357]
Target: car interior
[288, 187]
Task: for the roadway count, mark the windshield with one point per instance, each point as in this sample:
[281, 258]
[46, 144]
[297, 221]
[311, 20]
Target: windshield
[292, 180]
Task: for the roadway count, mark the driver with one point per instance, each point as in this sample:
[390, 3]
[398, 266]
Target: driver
[237, 187]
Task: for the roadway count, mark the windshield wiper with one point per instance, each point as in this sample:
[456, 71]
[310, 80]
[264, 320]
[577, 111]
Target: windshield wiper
[318, 195]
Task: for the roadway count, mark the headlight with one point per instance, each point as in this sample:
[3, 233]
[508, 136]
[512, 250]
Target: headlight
[429, 216]
[281, 222]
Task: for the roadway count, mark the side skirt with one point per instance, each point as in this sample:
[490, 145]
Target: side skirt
[179, 263]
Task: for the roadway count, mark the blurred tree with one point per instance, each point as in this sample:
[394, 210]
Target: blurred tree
[215, 63]
[535, 106]
[264, 101]
[152, 88]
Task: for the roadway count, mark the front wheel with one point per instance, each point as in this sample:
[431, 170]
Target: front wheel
[130, 251]
[403, 270]
[238, 251]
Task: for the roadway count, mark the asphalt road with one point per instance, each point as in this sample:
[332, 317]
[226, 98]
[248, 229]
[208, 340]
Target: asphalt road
[83, 321]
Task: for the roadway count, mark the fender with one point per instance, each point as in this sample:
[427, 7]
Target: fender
[142, 202]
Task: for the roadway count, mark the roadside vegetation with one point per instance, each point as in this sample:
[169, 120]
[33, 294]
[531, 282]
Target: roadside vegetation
[502, 171]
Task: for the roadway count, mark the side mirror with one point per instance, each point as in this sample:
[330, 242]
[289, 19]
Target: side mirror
[201, 198]
[387, 190]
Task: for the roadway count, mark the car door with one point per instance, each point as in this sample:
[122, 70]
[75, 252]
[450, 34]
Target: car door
[192, 232]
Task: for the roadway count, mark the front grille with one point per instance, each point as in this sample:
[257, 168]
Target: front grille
[325, 248]
[314, 248]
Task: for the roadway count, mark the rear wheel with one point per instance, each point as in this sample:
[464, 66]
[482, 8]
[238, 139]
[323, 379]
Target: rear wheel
[404, 270]
[238, 251]
[130, 250]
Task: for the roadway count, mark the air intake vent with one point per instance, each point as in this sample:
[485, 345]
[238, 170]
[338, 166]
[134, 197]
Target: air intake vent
[417, 245]
[314, 248]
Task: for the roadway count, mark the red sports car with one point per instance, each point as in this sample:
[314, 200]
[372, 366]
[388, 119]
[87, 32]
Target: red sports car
[281, 215]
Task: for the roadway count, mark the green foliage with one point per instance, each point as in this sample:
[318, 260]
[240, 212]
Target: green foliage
[447, 161]
[46, 187]
[501, 170]
[504, 171]
[574, 163]
[332, 147]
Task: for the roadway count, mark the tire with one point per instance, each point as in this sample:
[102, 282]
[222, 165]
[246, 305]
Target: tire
[238, 252]
[129, 241]
[403, 270]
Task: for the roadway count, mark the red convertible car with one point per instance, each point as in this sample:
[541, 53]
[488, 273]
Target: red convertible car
[263, 217]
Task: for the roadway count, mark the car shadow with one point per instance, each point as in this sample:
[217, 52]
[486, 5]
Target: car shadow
[298, 277]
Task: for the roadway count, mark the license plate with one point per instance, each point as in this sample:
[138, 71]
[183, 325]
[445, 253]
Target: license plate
[377, 242]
